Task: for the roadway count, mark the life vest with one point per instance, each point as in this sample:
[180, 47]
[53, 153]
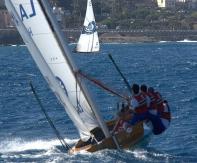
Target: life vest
[159, 102]
[144, 93]
[153, 103]
[161, 121]
[119, 126]
[160, 106]
[142, 107]
[147, 98]
[156, 101]
[165, 114]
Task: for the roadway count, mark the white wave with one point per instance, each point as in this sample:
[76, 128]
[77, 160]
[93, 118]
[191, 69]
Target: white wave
[22, 45]
[19, 145]
[192, 63]
[149, 156]
[117, 43]
[126, 43]
[186, 40]
[163, 41]
[140, 154]
[73, 43]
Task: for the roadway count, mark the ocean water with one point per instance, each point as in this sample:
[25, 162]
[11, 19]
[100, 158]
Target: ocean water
[25, 135]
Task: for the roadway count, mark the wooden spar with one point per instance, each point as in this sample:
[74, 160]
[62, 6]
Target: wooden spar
[65, 145]
[101, 85]
[121, 74]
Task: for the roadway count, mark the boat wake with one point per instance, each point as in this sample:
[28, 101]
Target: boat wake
[50, 151]
[35, 150]
[149, 155]
[20, 145]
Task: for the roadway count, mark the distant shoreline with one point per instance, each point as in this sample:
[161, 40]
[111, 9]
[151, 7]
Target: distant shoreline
[12, 37]
[74, 43]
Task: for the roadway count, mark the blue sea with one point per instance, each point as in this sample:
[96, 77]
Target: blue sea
[171, 68]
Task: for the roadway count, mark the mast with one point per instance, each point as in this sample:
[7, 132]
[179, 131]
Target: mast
[62, 43]
[45, 50]
[53, 58]
[41, 63]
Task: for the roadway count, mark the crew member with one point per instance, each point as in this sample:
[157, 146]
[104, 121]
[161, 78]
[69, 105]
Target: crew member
[159, 112]
[139, 106]
[124, 115]
[165, 115]
[144, 91]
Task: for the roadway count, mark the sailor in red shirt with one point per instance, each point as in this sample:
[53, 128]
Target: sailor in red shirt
[144, 91]
[159, 112]
[138, 105]
[121, 124]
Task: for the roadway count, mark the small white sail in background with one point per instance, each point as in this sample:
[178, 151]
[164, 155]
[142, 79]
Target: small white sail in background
[88, 41]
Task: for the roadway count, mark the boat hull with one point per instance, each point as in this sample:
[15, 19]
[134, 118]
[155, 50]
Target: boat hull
[124, 139]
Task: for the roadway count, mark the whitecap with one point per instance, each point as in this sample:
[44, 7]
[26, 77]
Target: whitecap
[164, 41]
[187, 40]
[140, 154]
[19, 145]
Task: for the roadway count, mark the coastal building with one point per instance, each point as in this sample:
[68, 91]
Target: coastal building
[2, 5]
[61, 14]
[166, 3]
[190, 4]
[5, 20]
[183, 1]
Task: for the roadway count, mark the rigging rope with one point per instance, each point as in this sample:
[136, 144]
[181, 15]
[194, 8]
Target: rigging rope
[121, 74]
[100, 84]
[62, 141]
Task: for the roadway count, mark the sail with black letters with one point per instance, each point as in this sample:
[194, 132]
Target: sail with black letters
[40, 32]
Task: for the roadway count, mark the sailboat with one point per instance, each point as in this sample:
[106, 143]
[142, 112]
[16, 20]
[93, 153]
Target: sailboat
[88, 41]
[40, 31]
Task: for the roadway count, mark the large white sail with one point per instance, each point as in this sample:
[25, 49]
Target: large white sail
[88, 40]
[54, 62]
